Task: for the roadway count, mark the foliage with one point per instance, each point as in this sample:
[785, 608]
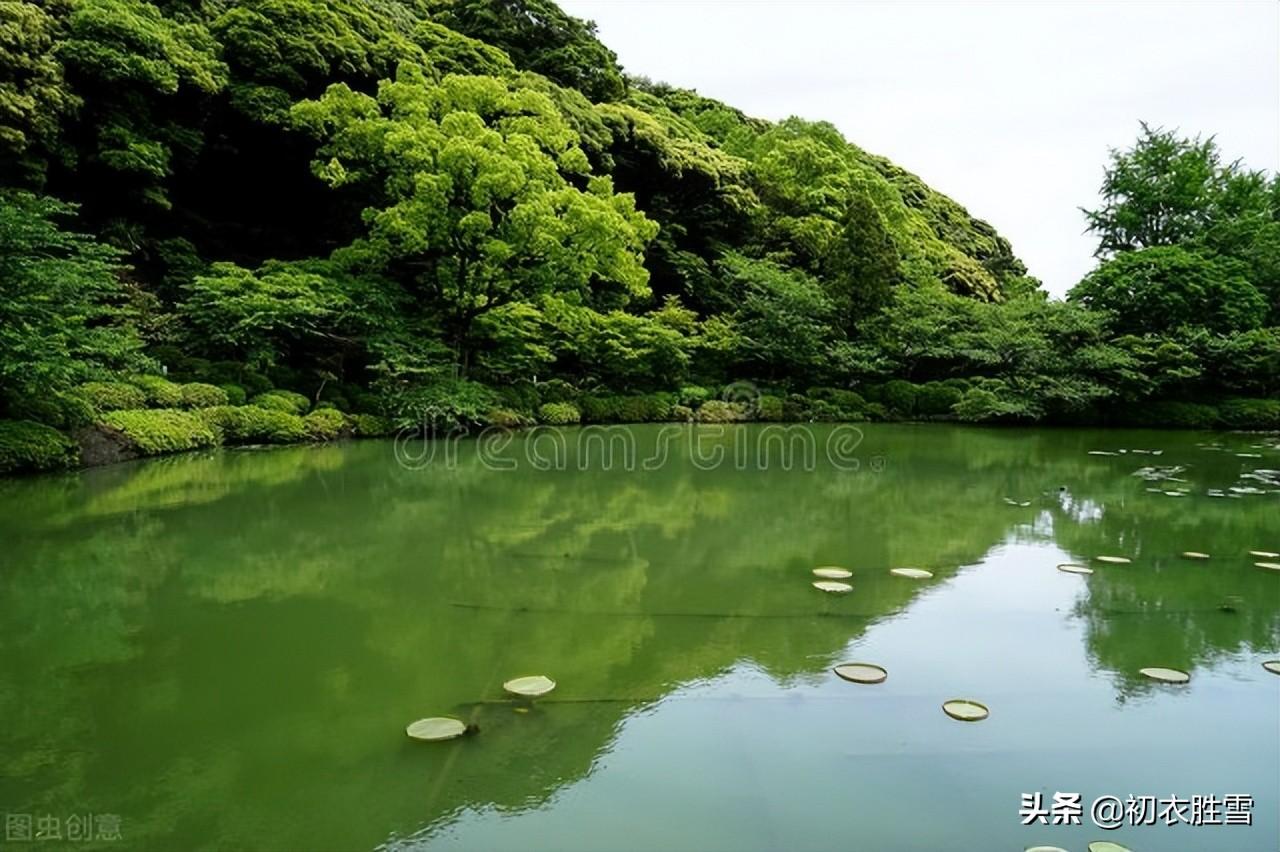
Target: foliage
[1250, 413]
[112, 396]
[325, 424]
[290, 402]
[160, 392]
[371, 426]
[720, 411]
[235, 394]
[163, 430]
[201, 395]
[28, 446]
[251, 424]
[559, 413]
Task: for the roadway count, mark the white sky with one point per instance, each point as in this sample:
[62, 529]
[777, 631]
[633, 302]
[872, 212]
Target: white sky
[1007, 107]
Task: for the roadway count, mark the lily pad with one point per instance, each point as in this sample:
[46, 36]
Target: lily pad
[1114, 560]
[435, 729]
[533, 686]
[965, 710]
[1166, 675]
[911, 573]
[861, 672]
[1272, 666]
[833, 586]
[1194, 554]
[1270, 566]
[1107, 846]
[831, 572]
[1047, 848]
[1071, 568]
[1265, 554]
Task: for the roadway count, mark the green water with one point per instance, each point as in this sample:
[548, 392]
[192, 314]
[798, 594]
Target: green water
[223, 650]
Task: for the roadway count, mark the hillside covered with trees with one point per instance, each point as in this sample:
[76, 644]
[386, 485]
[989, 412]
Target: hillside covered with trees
[289, 220]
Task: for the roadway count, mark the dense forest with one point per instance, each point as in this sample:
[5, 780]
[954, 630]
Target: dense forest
[290, 220]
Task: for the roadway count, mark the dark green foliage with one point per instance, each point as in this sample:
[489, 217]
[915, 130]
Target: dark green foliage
[236, 395]
[719, 411]
[160, 392]
[644, 408]
[559, 413]
[164, 430]
[289, 402]
[200, 395]
[371, 426]
[1250, 413]
[1168, 414]
[770, 408]
[112, 396]
[251, 424]
[900, 396]
[443, 404]
[27, 446]
[325, 424]
[937, 399]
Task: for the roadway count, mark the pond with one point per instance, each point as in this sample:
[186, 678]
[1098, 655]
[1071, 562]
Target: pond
[222, 651]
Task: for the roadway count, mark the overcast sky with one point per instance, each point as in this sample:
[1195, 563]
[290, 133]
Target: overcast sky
[1007, 107]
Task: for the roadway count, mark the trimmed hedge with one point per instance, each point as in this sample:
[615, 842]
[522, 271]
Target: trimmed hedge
[559, 413]
[289, 402]
[641, 408]
[161, 393]
[236, 395]
[506, 418]
[161, 430]
[112, 396]
[325, 424]
[29, 446]
[719, 411]
[770, 408]
[250, 424]
[372, 426]
[200, 395]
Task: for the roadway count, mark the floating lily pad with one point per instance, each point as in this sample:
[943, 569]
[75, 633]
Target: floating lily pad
[1272, 666]
[965, 710]
[1047, 848]
[911, 573]
[1194, 554]
[1271, 566]
[1101, 453]
[1165, 675]
[533, 686]
[831, 572]
[435, 729]
[1265, 554]
[861, 672]
[1071, 568]
[1114, 560]
[833, 586]
[1107, 846]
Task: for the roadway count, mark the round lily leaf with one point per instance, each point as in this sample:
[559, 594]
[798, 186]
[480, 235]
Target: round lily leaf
[1270, 566]
[965, 710]
[861, 672]
[435, 729]
[532, 686]
[1071, 568]
[1045, 849]
[911, 573]
[1264, 554]
[1107, 846]
[1194, 554]
[833, 586]
[1165, 675]
[1114, 560]
[1272, 666]
[830, 572]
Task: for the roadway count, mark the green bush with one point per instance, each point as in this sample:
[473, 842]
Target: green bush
[835, 404]
[937, 399]
[506, 418]
[1250, 413]
[325, 424]
[252, 424]
[770, 408]
[900, 397]
[1173, 415]
[797, 408]
[559, 413]
[693, 395]
[200, 395]
[29, 446]
[160, 392]
[112, 396]
[520, 396]
[60, 410]
[556, 390]
[235, 394]
[682, 414]
[372, 426]
[719, 411]
[289, 402]
[600, 409]
[161, 430]
[442, 404]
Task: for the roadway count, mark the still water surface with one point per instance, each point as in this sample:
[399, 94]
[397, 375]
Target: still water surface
[224, 649]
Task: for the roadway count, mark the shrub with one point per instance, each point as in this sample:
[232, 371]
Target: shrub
[1174, 415]
[559, 413]
[835, 404]
[520, 396]
[160, 392]
[505, 418]
[200, 395]
[235, 394]
[29, 446]
[556, 390]
[112, 396]
[797, 408]
[325, 424]
[693, 395]
[442, 404]
[161, 430]
[600, 409]
[770, 408]
[289, 402]
[1250, 413]
[60, 410]
[252, 424]
[900, 397]
[719, 411]
[682, 413]
[936, 399]
[371, 426]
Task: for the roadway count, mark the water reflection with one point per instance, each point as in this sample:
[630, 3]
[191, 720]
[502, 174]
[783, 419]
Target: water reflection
[228, 646]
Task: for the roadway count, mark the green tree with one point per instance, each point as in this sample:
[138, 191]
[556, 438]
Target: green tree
[34, 97]
[784, 319]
